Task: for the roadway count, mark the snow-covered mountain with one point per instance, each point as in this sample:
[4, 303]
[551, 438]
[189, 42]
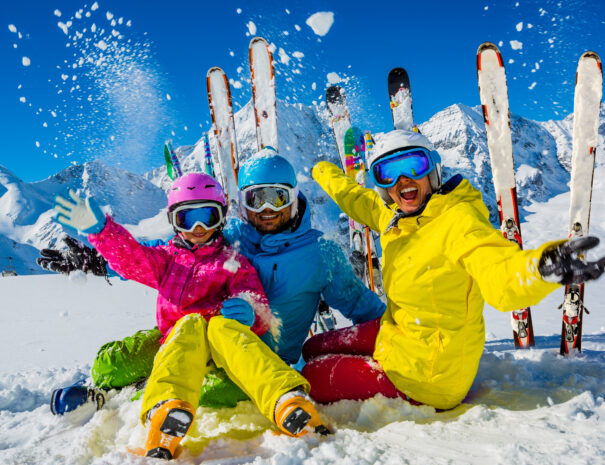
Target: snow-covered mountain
[26, 215]
[542, 160]
[458, 132]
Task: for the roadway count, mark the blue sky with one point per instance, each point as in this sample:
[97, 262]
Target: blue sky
[92, 99]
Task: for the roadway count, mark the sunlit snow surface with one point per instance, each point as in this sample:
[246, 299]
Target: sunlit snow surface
[524, 407]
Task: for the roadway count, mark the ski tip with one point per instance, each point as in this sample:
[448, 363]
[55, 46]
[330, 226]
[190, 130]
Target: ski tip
[334, 93]
[213, 70]
[258, 39]
[590, 55]
[396, 72]
[487, 46]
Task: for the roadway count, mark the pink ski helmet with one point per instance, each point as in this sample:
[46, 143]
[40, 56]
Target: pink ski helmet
[195, 187]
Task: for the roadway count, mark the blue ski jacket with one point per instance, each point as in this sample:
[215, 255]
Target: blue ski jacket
[296, 268]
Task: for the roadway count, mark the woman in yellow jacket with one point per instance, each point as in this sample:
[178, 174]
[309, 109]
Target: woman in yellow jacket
[442, 259]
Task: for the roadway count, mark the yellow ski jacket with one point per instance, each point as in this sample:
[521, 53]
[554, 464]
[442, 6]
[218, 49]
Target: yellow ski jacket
[439, 268]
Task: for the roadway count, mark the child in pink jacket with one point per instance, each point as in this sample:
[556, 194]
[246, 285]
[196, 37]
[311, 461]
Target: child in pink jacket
[210, 306]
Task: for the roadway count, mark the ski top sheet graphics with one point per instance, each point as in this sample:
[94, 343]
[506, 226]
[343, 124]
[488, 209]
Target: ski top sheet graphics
[494, 101]
[350, 143]
[587, 105]
[173, 165]
[400, 96]
[221, 109]
[263, 93]
[208, 163]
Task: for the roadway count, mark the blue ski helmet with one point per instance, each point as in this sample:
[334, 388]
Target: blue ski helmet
[267, 167]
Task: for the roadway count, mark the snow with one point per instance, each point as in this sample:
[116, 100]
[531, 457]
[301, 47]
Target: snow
[516, 45]
[333, 78]
[12, 28]
[321, 22]
[25, 61]
[251, 28]
[520, 409]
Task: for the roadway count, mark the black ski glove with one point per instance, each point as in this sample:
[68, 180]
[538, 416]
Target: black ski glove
[76, 257]
[565, 264]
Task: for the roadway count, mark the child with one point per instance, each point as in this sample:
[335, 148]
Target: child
[210, 306]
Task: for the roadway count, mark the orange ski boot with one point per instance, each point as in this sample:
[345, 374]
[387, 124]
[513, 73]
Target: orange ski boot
[296, 415]
[168, 423]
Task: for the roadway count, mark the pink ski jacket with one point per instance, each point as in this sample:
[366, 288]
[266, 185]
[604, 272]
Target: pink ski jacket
[196, 280]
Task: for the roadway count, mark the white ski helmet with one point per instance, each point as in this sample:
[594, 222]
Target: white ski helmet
[400, 139]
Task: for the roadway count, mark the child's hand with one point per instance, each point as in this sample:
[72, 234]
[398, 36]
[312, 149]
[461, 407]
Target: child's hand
[239, 310]
[82, 215]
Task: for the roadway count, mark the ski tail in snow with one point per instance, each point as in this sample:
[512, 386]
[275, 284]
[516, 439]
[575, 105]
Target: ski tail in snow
[208, 163]
[494, 102]
[400, 96]
[173, 165]
[263, 93]
[223, 124]
[587, 104]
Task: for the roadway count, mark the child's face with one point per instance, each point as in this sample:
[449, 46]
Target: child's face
[199, 235]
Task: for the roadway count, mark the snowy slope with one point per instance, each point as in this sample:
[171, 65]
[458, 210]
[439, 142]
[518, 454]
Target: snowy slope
[521, 408]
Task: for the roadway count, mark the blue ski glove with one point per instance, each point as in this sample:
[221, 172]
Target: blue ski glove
[81, 215]
[239, 310]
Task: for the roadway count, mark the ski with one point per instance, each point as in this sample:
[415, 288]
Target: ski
[400, 97]
[350, 143]
[263, 93]
[493, 92]
[587, 105]
[208, 163]
[173, 165]
[223, 125]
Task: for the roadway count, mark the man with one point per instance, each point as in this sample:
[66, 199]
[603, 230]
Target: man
[297, 267]
[442, 260]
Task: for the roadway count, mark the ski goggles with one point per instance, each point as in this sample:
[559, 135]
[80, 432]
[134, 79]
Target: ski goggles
[273, 196]
[413, 163]
[208, 215]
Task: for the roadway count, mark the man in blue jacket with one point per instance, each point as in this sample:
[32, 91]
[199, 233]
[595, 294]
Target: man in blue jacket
[297, 267]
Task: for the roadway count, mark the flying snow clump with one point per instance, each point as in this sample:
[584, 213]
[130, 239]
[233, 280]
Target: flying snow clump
[321, 22]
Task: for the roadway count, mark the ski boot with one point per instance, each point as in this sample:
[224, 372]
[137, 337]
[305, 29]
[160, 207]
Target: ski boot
[168, 422]
[296, 415]
[69, 398]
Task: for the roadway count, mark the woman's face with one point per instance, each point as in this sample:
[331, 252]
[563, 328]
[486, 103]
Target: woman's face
[410, 194]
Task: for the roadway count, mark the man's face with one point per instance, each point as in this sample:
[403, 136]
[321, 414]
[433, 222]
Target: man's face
[269, 221]
[410, 194]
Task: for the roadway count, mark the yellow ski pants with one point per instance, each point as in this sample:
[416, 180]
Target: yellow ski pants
[182, 362]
